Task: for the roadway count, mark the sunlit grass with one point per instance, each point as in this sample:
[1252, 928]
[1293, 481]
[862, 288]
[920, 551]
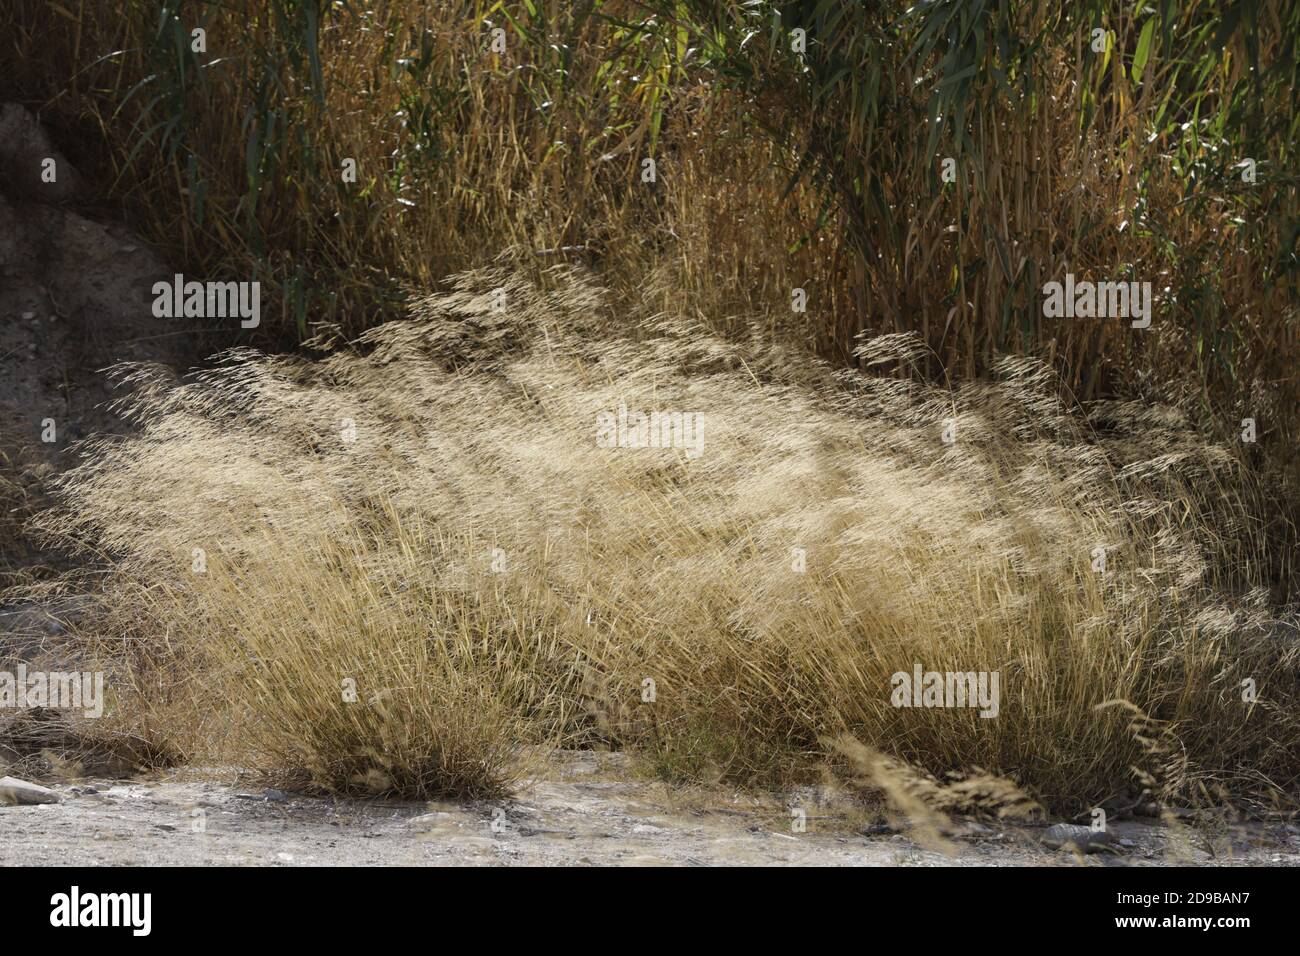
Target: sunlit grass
[429, 515]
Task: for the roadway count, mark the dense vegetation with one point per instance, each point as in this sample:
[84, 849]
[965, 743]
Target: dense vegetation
[918, 172]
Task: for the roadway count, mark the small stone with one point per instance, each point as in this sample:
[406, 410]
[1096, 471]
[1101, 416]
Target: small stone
[1064, 836]
[426, 819]
[19, 792]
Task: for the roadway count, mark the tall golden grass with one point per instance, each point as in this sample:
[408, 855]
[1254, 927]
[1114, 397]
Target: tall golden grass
[1115, 165]
[1111, 165]
[1105, 156]
[428, 514]
[232, 160]
[372, 561]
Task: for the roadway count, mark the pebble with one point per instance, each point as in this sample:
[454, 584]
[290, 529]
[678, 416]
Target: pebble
[20, 792]
[1064, 836]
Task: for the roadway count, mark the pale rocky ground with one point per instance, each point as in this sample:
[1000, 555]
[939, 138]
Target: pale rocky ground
[581, 809]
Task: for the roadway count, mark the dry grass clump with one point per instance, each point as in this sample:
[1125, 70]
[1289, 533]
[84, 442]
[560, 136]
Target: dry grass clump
[41, 743]
[929, 804]
[428, 513]
[776, 171]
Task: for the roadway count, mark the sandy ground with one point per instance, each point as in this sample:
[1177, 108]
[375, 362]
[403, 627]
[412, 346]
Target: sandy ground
[583, 809]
